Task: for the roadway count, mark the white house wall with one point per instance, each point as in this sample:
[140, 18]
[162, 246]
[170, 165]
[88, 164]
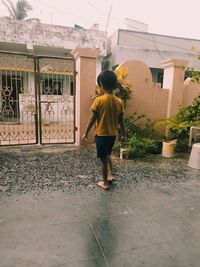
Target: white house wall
[38, 34]
[152, 48]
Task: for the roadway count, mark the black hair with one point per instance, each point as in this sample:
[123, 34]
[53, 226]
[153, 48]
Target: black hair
[108, 79]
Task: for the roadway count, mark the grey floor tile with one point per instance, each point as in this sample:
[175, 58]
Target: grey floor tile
[190, 211]
[192, 185]
[185, 252]
[160, 196]
[119, 233]
[18, 214]
[183, 195]
[59, 210]
[35, 211]
[49, 246]
[165, 224]
[96, 262]
[145, 199]
[104, 204]
[150, 256]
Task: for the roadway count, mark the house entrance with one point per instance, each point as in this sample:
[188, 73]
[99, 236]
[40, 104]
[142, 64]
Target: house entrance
[37, 100]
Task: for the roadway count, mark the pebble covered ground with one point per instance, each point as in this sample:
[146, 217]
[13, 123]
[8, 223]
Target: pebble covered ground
[35, 169]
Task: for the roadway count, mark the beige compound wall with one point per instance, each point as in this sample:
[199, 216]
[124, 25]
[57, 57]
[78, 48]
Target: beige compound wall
[150, 99]
[147, 98]
[190, 91]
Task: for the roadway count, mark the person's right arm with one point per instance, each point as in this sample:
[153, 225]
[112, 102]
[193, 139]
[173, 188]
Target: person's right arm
[90, 124]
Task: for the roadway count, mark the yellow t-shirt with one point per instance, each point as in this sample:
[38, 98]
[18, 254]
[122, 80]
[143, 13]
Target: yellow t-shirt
[108, 107]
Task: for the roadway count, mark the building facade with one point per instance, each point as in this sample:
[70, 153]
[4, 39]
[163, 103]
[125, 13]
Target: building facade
[37, 80]
[151, 49]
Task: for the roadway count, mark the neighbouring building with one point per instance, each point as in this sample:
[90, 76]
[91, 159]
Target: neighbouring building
[136, 43]
[37, 79]
[51, 40]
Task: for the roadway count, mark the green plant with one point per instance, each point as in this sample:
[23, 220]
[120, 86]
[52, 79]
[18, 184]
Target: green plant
[142, 138]
[138, 146]
[179, 125]
[194, 74]
[124, 88]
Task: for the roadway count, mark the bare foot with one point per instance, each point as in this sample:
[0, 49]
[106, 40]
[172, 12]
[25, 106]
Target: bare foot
[111, 178]
[103, 185]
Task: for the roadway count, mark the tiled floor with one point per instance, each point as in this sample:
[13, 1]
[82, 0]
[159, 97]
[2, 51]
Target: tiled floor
[157, 225]
[151, 227]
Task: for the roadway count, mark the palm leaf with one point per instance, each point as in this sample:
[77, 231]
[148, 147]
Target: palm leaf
[10, 7]
[22, 7]
[20, 11]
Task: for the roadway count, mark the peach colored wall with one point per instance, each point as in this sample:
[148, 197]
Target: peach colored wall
[190, 91]
[147, 97]
[85, 87]
[174, 71]
[150, 99]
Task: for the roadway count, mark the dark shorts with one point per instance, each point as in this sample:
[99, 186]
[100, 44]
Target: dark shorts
[104, 145]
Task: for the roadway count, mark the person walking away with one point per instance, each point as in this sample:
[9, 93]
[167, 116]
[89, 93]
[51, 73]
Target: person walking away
[107, 112]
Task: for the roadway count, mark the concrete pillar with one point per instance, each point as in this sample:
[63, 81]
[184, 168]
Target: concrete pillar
[174, 71]
[85, 87]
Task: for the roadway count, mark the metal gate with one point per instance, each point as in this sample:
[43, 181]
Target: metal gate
[37, 99]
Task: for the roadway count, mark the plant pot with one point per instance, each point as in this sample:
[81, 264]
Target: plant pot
[194, 160]
[168, 149]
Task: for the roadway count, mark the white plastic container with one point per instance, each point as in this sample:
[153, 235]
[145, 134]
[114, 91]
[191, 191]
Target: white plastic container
[194, 160]
[168, 149]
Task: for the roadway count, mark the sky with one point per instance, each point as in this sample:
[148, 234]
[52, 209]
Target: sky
[172, 17]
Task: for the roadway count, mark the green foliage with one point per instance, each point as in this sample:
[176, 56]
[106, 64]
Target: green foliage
[182, 145]
[123, 92]
[138, 146]
[22, 8]
[142, 138]
[179, 125]
[193, 74]
[124, 86]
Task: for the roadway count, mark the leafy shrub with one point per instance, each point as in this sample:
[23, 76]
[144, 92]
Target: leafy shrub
[179, 125]
[141, 137]
[138, 146]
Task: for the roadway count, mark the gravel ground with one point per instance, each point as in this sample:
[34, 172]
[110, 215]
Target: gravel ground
[35, 169]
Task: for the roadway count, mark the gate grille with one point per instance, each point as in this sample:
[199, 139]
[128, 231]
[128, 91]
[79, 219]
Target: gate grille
[17, 100]
[56, 100]
[36, 100]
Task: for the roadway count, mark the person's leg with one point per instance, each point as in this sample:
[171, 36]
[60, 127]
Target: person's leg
[110, 165]
[104, 145]
[104, 166]
[110, 169]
